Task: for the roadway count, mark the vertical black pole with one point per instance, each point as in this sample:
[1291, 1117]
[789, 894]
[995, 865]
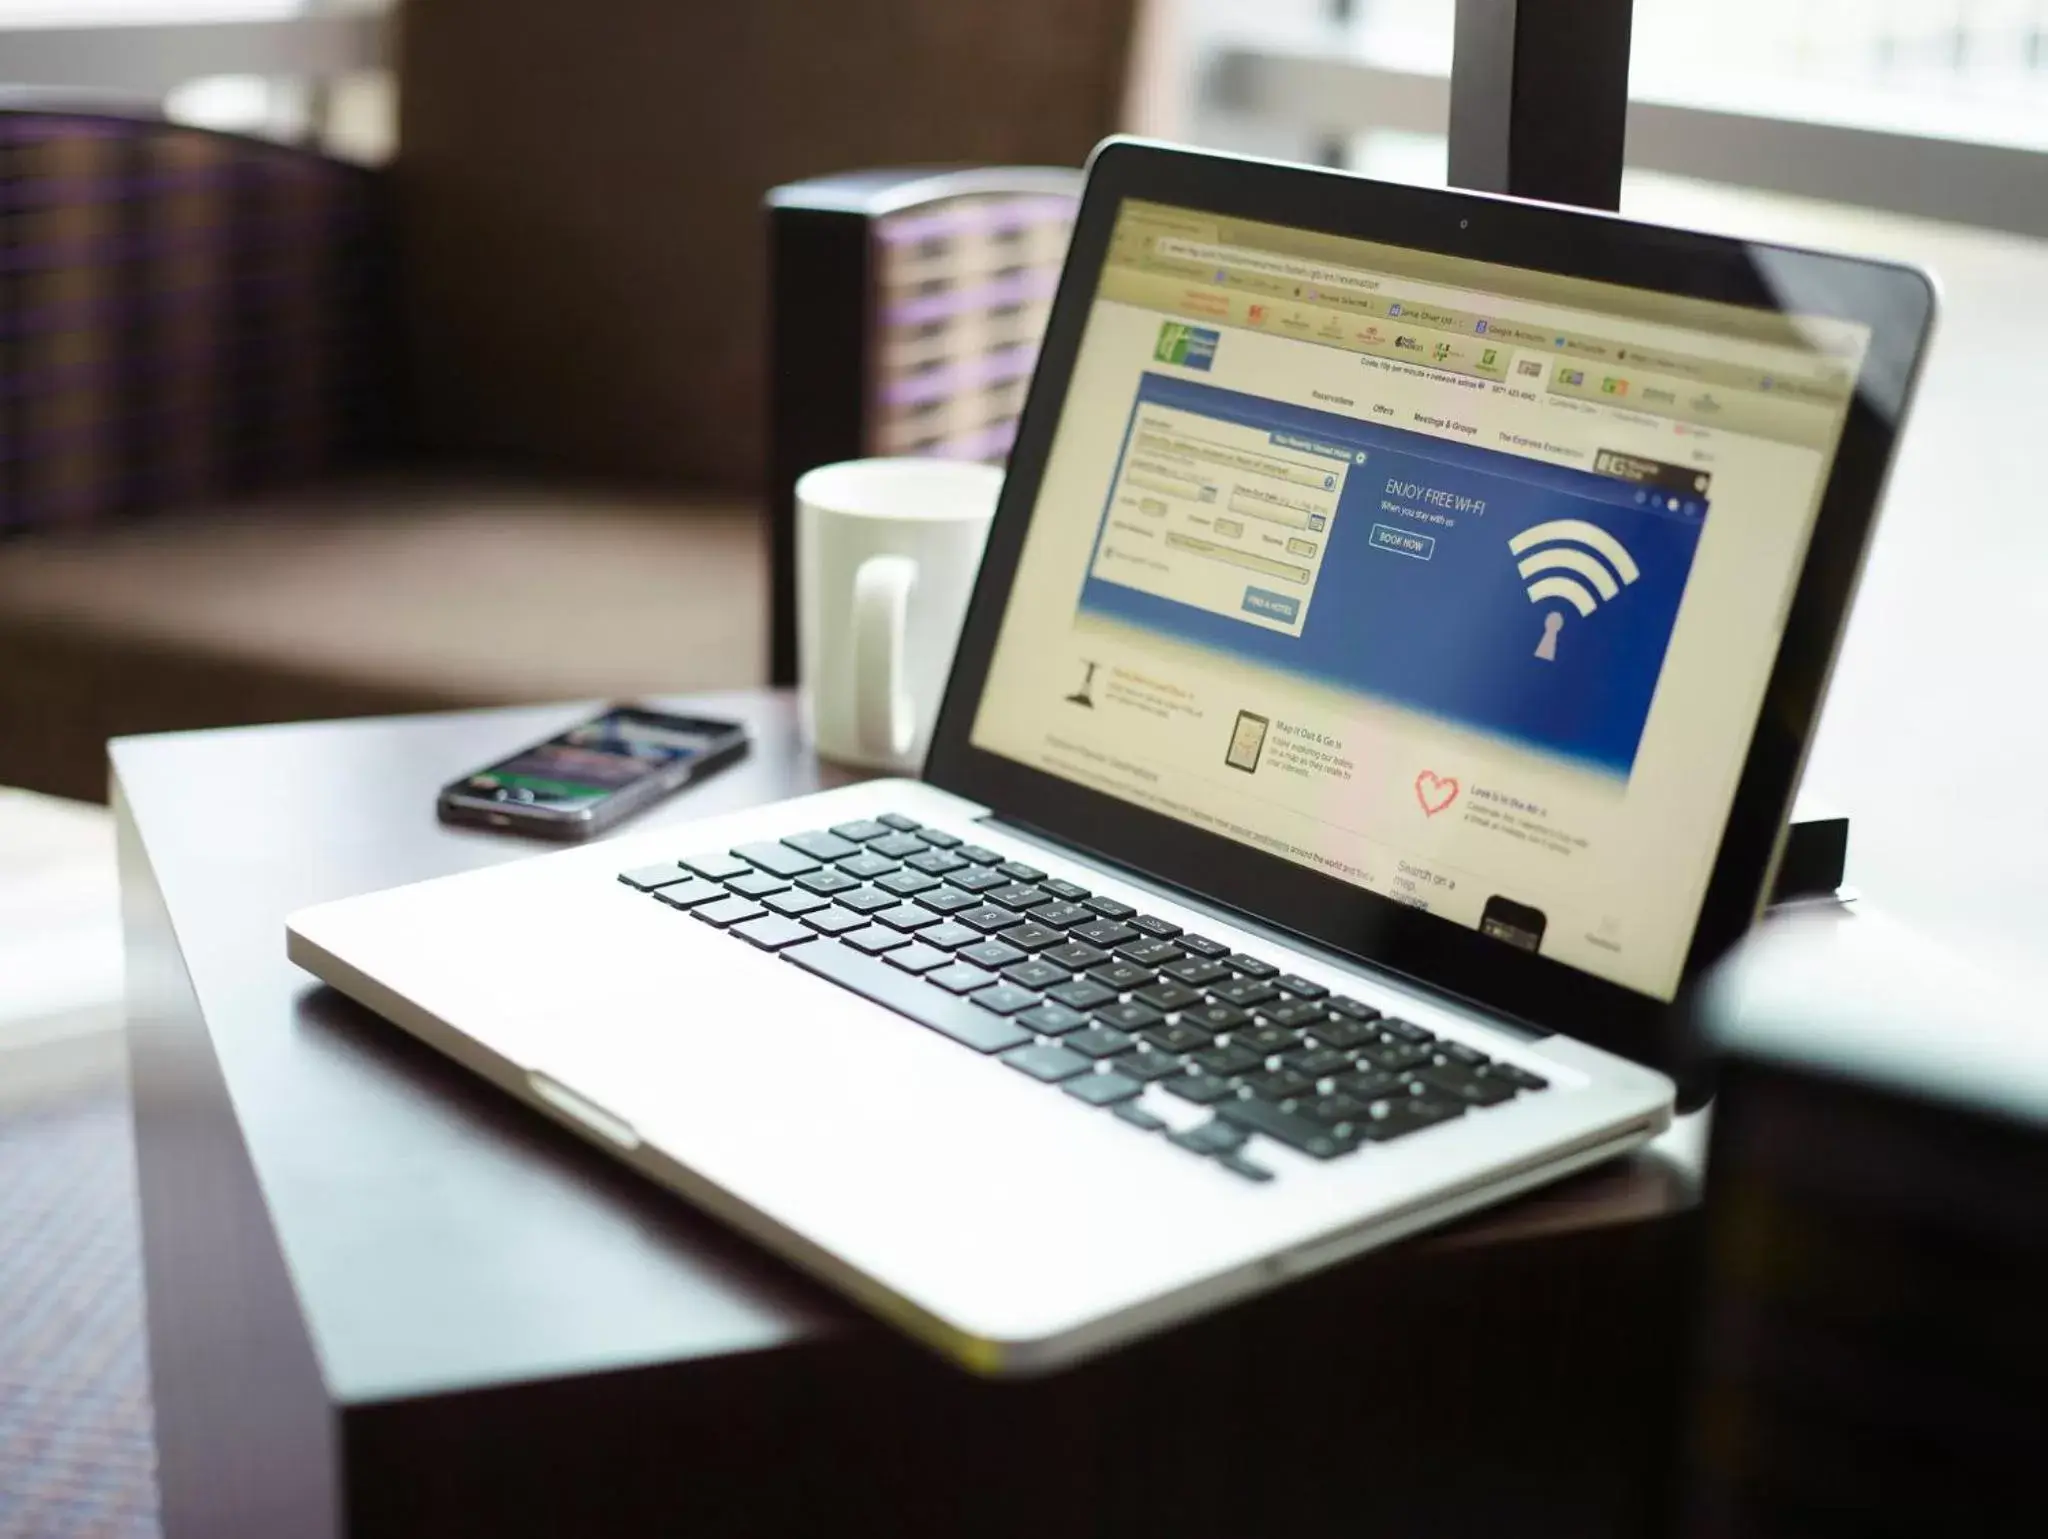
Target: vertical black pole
[1539, 98]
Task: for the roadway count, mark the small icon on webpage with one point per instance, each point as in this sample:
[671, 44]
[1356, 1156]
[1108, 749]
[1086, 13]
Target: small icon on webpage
[1479, 327]
[1531, 366]
[1394, 308]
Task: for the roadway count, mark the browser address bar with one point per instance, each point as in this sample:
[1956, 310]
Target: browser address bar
[1293, 268]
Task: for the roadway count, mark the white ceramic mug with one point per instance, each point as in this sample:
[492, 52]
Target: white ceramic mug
[886, 555]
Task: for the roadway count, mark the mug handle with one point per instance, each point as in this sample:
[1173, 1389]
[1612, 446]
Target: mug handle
[885, 717]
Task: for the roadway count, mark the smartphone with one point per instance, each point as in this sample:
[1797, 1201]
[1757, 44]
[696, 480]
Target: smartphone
[585, 780]
[1516, 923]
[1247, 741]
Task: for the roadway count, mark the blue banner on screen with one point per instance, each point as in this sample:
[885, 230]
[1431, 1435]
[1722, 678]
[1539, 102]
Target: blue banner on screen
[1514, 597]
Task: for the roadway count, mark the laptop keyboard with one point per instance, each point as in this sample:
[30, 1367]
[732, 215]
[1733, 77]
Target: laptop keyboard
[1084, 992]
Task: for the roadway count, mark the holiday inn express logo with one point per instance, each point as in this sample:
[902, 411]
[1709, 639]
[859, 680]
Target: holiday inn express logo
[1192, 347]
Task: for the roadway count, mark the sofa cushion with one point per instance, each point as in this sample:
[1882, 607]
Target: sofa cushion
[386, 595]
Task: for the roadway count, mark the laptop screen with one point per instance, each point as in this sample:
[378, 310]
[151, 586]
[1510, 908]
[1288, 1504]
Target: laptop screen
[1459, 582]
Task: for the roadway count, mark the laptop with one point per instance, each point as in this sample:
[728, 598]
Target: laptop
[1396, 647]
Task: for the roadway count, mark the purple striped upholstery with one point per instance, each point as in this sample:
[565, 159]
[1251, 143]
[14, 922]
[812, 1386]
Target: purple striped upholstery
[184, 316]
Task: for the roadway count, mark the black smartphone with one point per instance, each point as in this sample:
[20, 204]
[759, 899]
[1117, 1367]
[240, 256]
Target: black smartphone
[1516, 923]
[585, 780]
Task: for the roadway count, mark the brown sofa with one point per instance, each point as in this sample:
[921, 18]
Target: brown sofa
[518, 453]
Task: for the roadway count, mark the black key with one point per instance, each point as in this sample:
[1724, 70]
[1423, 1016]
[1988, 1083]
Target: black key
[1167, 996]
[907, 884]
[1278, 1084]
[1463, 1084]
[1161, 929]
[1397, 1119]
[861, 831]
[826, 882]
[938, 838]
[1036, 974]
[980, 854]
[1017, 871]
[874, 939]
[865, 900]
[776, 857]
[1131, 1017]
[1179, 1037]
[1458, 1052]
[717, 865]
[1214, 1017]
[936, 863]
[1148, 1066]
[1265, 1040]
[1044, 1061]
[1518, 1076]
[1317, 1062]
[899, 822]
[917, 958]
[1290, 1128]
[1109, 908]
[1019, 895]
[906, 995]
[1140, 1118]
[1295, 1013]
[647, 878]
[906, 916]
[1204, 947]
[1076, 956]
[948, 936]
[1301, 988]
[1150, 953]
[1394, 1057]
[1081, 994]
[1059, 887]
[1202, 1089]
[1342, 1031]
[1407, 1031]
[1097, 1041]
[1031, 936]
[986, 917]
[1104, 933]
[1105, 1089]
[1244, 991]
[1344, 1004]
[960, 978]
[947, 900]
[772, 932]
[757, 884]
[1051, 1020]
[1252, 967]
[794, 903]
[1213, 1137]
[690, 893]
[1004, 998]
[1370, 1084]
[1122, 975]
[1195, 970]
[992, 954]
[1226, 1061]
[1334, 1108]
[835, 921]
[979, 879]
[822, 845]
[1060, 914]
[898, 846]
[866, 865]
[1237, 1164]
[727, 911]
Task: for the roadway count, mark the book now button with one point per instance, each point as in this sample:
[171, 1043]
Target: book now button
[1402, 543]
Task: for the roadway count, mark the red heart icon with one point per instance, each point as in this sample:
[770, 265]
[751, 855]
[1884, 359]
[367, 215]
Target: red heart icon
[1435, 791]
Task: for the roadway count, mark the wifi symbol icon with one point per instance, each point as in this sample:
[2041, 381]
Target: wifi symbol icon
[1572, 560]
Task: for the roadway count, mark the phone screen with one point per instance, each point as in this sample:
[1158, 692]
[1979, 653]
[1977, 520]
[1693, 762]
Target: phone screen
[595, 760]
[1516, 923]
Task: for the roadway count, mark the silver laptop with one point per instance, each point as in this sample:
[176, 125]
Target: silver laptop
[1395, 652]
